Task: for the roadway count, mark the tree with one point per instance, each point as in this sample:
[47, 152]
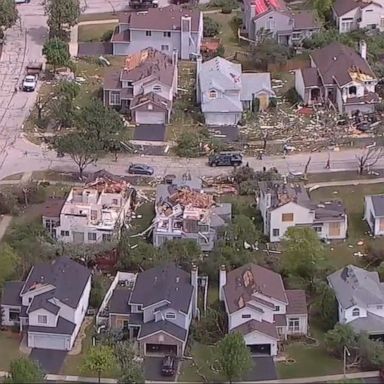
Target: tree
[233, 356]
[339, 337]
[133, 375]
[82, 149]
[8, 13]
[142, 256]
[242, 230]
[211, 27]
[323, 8]
[183, 252]
[98, 291]
[24, 370]
[326, 305]
[369, 158]
[303, 255]
[56, 52]
[9, 262]
[99, 359]
[371, 353]
[61, 14]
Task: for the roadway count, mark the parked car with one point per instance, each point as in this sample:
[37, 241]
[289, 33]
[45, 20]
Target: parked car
[140, 169]
[168, 366]
[29, 83]
[223, 159]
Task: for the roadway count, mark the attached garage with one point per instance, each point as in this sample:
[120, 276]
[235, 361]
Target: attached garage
[163, 349]
[51, 341]
[148, 117]
[260, 349]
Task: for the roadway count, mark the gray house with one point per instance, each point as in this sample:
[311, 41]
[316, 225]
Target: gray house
[273, 16]
[224, 92]
[165, 29]
[183, 211]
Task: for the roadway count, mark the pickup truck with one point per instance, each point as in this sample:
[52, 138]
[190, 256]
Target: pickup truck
[29, 83]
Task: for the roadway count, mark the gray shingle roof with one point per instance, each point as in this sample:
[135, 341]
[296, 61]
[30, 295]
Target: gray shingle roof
[119, 301]
[377, 204]
[63, 327]
[152, 327]
[253, 83]
[68, 278]
[163, 283]
[264, 327]
[330, 210]
[341, 7]
[297, 302]
[356, 286]
[42, 302]
[372, 324]
[11, 293]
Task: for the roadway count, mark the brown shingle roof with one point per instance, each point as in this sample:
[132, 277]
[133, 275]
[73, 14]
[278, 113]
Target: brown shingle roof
[52, 207]
[311, 77]
[259, 326]
[305, 20]
[141, 102]
[341, 7]
[112, 80]
[297, 302]
[121, 37]
[248, 279]
[335, 63]
[280, 320]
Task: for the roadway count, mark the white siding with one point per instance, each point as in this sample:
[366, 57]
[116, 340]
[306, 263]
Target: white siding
[49, 341]
[6, 320]
[259, 338]
[371, 15]
[299, 84]
[348, 317]
[303, 324]
[147, 117]
[34, 316]
[235, 319]
[222, 118]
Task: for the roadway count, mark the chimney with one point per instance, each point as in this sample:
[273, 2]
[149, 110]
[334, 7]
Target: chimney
[194, 283]
[363, 49]
[222, 281]
[174, 57]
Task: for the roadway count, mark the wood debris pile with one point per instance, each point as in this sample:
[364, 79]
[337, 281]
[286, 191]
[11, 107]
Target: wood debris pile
[185, 197]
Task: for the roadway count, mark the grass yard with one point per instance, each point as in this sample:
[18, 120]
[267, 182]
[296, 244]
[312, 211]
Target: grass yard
[9, 348]
[98, 16]
[94, 32]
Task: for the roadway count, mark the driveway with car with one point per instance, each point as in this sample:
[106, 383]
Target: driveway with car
[152, 369]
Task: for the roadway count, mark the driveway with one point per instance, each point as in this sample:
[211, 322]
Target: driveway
[50, 360]
[149, 132]
[263, 368]
[152, 370]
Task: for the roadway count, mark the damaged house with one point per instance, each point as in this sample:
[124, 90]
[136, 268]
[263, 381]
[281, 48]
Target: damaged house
[339, 77]
[284, 205]
[184, 211]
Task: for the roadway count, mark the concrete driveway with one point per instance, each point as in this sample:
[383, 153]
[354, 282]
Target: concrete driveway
[50, 360]
[149, 132]
[152, 370]
[263, 368]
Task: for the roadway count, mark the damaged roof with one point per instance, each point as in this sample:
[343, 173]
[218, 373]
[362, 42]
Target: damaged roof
[305, 19]
[141, 102]
[311, 77]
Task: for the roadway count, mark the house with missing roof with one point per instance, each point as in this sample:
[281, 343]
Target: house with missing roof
[350, 15]
[50, 305]
[339, 77]
[185, 211]
[144, 89]
[374, 213]
[154, 307]
[360, 298]
[167, 29]
[260, 308]
[284, 205]
[274, 17]
[224, 92]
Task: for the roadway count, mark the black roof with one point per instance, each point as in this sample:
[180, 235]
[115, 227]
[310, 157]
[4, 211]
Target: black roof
[168, 282]
[152, 327]
[119, 301]
[11, 293]
[63, 327]
[42, 302]
[68, 278]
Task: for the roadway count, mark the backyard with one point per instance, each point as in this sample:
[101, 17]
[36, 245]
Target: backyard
[96, 32]
[9, 348]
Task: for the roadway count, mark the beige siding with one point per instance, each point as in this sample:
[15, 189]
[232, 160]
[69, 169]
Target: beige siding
[116, 321]
[161, 338]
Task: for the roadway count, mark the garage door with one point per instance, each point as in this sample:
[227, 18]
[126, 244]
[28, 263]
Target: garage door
[150, 117]
[163, 349]
[47, 342]
[260, 349]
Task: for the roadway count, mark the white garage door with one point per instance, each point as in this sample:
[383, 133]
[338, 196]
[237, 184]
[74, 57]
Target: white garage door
[150, 117]
[47, 341]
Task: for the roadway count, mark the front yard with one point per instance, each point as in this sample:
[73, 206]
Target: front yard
[9, 348]
[95, 32]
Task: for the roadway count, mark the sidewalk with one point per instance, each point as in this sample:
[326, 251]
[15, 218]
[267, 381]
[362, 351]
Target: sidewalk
[345, 182]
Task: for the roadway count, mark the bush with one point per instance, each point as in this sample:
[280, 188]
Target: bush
[226, 10]
[292, 96]
[107, 36]
[233, 4]
[31, 193]
[211, 27]
[8, 204]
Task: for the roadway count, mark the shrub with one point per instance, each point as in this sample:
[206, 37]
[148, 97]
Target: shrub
[8, 204]
[292, 96]
[226, 10]
[107, 36]
[211, 27]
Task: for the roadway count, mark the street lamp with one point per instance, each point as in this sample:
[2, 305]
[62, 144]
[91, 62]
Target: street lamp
[345, 353]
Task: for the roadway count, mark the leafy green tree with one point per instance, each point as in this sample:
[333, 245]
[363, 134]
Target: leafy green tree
[98, 291]
[371, 353]
[61, 14]
[326, 305]
[9, 261]
[339, 337]
[233, 357]
[24, 370]
[242, 230]
[99, 359]
[133, 375]
[323, 8]
[56, 52]
[8, 13]
[81, 148]
[183, 252]
[211, 27]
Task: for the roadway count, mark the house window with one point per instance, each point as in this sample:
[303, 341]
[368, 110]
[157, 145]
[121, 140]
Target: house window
[170, 315]
[276, 232]
[114, 98]
[150, 107]
[317, 229]
[165, 47]
[294, 324]
[157, 88]
[125, 324]
[115, 202]
[107, 237]
[42, 319]
[379, 307]
[246, 316]
[30, 299]
[91, 236]
[167, 34]
[212, 94]
[14, 315]
[93, 214]
[277, 308]
[271, 24]
[296, 35]
[352, 90]
[64, 233]
[140, 307]
[346, 24]
[287, 217]
[148, 33]
[356, 312]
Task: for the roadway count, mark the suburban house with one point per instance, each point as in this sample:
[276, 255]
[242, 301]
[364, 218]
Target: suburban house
[339, 77]
[224, 92]
[90, 214]
[260, 308]
[360, 297]
[351, 14]
[184, 211]
[167, 29]
[273, 17]
[144, 89]
[374, 213]
[50, 305]
[154, 307]
[284, 205]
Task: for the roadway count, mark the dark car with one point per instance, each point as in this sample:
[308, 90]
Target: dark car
[140, 169]
[168, 366]
[224, 159]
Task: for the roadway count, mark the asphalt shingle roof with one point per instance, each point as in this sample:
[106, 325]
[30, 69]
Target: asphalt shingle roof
[264, 327]
[152, 327]
[297, 302]
[377, 204]
[63, 327]
[119, 301]
[371, 324]
[11, 293]
[42, 302]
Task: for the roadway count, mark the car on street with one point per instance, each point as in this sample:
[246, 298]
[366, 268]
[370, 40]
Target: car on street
[140, 169]
[29, 83]
[168, 366]
[225, 159]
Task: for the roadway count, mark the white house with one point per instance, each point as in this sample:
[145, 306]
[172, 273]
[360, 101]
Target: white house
[50, 305]
[374, 213]
[260, 308]
[360, 297]
[284, 205]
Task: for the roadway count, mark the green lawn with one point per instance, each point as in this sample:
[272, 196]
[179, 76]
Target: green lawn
[98, 16]
[9, 348]
[94, 32]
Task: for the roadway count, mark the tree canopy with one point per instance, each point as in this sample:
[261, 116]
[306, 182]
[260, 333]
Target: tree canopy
[56, 52]
[8, 13]
[24, 370]
[99, 359]
[61, 14]
[9, 262]
[325, 305]
[338, 337]
[211, 27]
